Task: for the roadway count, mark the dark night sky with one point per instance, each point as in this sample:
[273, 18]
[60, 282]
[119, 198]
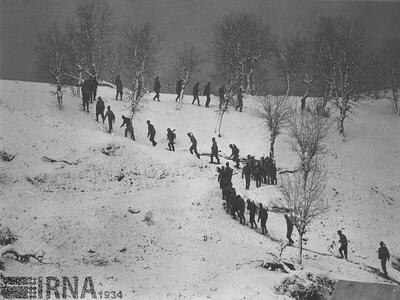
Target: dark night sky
[178, 22]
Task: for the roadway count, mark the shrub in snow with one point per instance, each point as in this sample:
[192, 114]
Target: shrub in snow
[310, 287]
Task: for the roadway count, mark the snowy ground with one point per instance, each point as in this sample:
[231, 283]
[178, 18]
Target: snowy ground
[78, 214]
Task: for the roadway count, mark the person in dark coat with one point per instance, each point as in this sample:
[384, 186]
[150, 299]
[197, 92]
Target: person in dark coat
[157, 88]
[221, 94]
[235, 154]
[252, 208]
[86, 94]
[178, 88]
[257, 174]
[263, 216]
[196, 93]
[214, 151]
[246, 172]
[263, 164]
[100, 109]
[228, 172]
[220, 176]
[242, 208]
[233, 203]
[193, 147]
[171, 139]
[239, 99]
[384, 256]
[93, 88]
[151, 133]
[207, 93]
[289, 229]
[111, 118]
[118, 84]
[129, 128]
[343, 243]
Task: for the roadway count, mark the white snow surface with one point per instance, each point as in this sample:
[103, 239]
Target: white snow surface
[193, 249]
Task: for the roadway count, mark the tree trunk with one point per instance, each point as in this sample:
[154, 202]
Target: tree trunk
[80, 83]
[272, 148]
[341, 119]
[396, 107]
[287, 84]
[303, 100]
[300, 248]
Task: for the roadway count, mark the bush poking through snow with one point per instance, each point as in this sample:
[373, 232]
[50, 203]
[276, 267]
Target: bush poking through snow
[148, 218]
[7, 156]
[110, 149]
[6, 236]
[308, 287]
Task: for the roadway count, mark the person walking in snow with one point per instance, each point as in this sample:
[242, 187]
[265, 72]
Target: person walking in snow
[157, 88]
[129, 128]
[86, 95]
[241, 207]
[252, 208]
[207, 93]
[384, 256]
[257, 174]
[171, 136]
[118, 84]
[196, 93]
[214, 151]
[151, 133]
[263, 216]
[93, 88]
[228, 172]
[239, 99]
[100, 109]
[343, 243]
[111, 118]
[221, 94]
[235, 154]
[178, 88]
[193, 147]
[246, 172]
[289, 229]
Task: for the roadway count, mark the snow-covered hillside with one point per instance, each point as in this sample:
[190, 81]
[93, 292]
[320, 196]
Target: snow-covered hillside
[78, 213]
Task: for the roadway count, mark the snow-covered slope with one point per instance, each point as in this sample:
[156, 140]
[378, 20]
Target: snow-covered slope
[78, 213]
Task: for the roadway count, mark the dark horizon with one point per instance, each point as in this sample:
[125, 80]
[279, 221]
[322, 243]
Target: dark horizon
[179, 22]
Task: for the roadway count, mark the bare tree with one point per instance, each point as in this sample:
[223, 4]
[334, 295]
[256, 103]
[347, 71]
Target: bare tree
[52, 58]
[116, 62]
[274, 111]
[282, 56]
[388, 62]
[325, 38]
[304, 198]
[341, 52]
[140, 44]
[301, 63]
[89, 36]
[186, 63]
[303, 191]
[352, 41]
[221, 112]
[307, 130]
[241, 44]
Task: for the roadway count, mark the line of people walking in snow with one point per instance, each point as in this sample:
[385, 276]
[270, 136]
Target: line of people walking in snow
[235, 204]
[195, 92]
